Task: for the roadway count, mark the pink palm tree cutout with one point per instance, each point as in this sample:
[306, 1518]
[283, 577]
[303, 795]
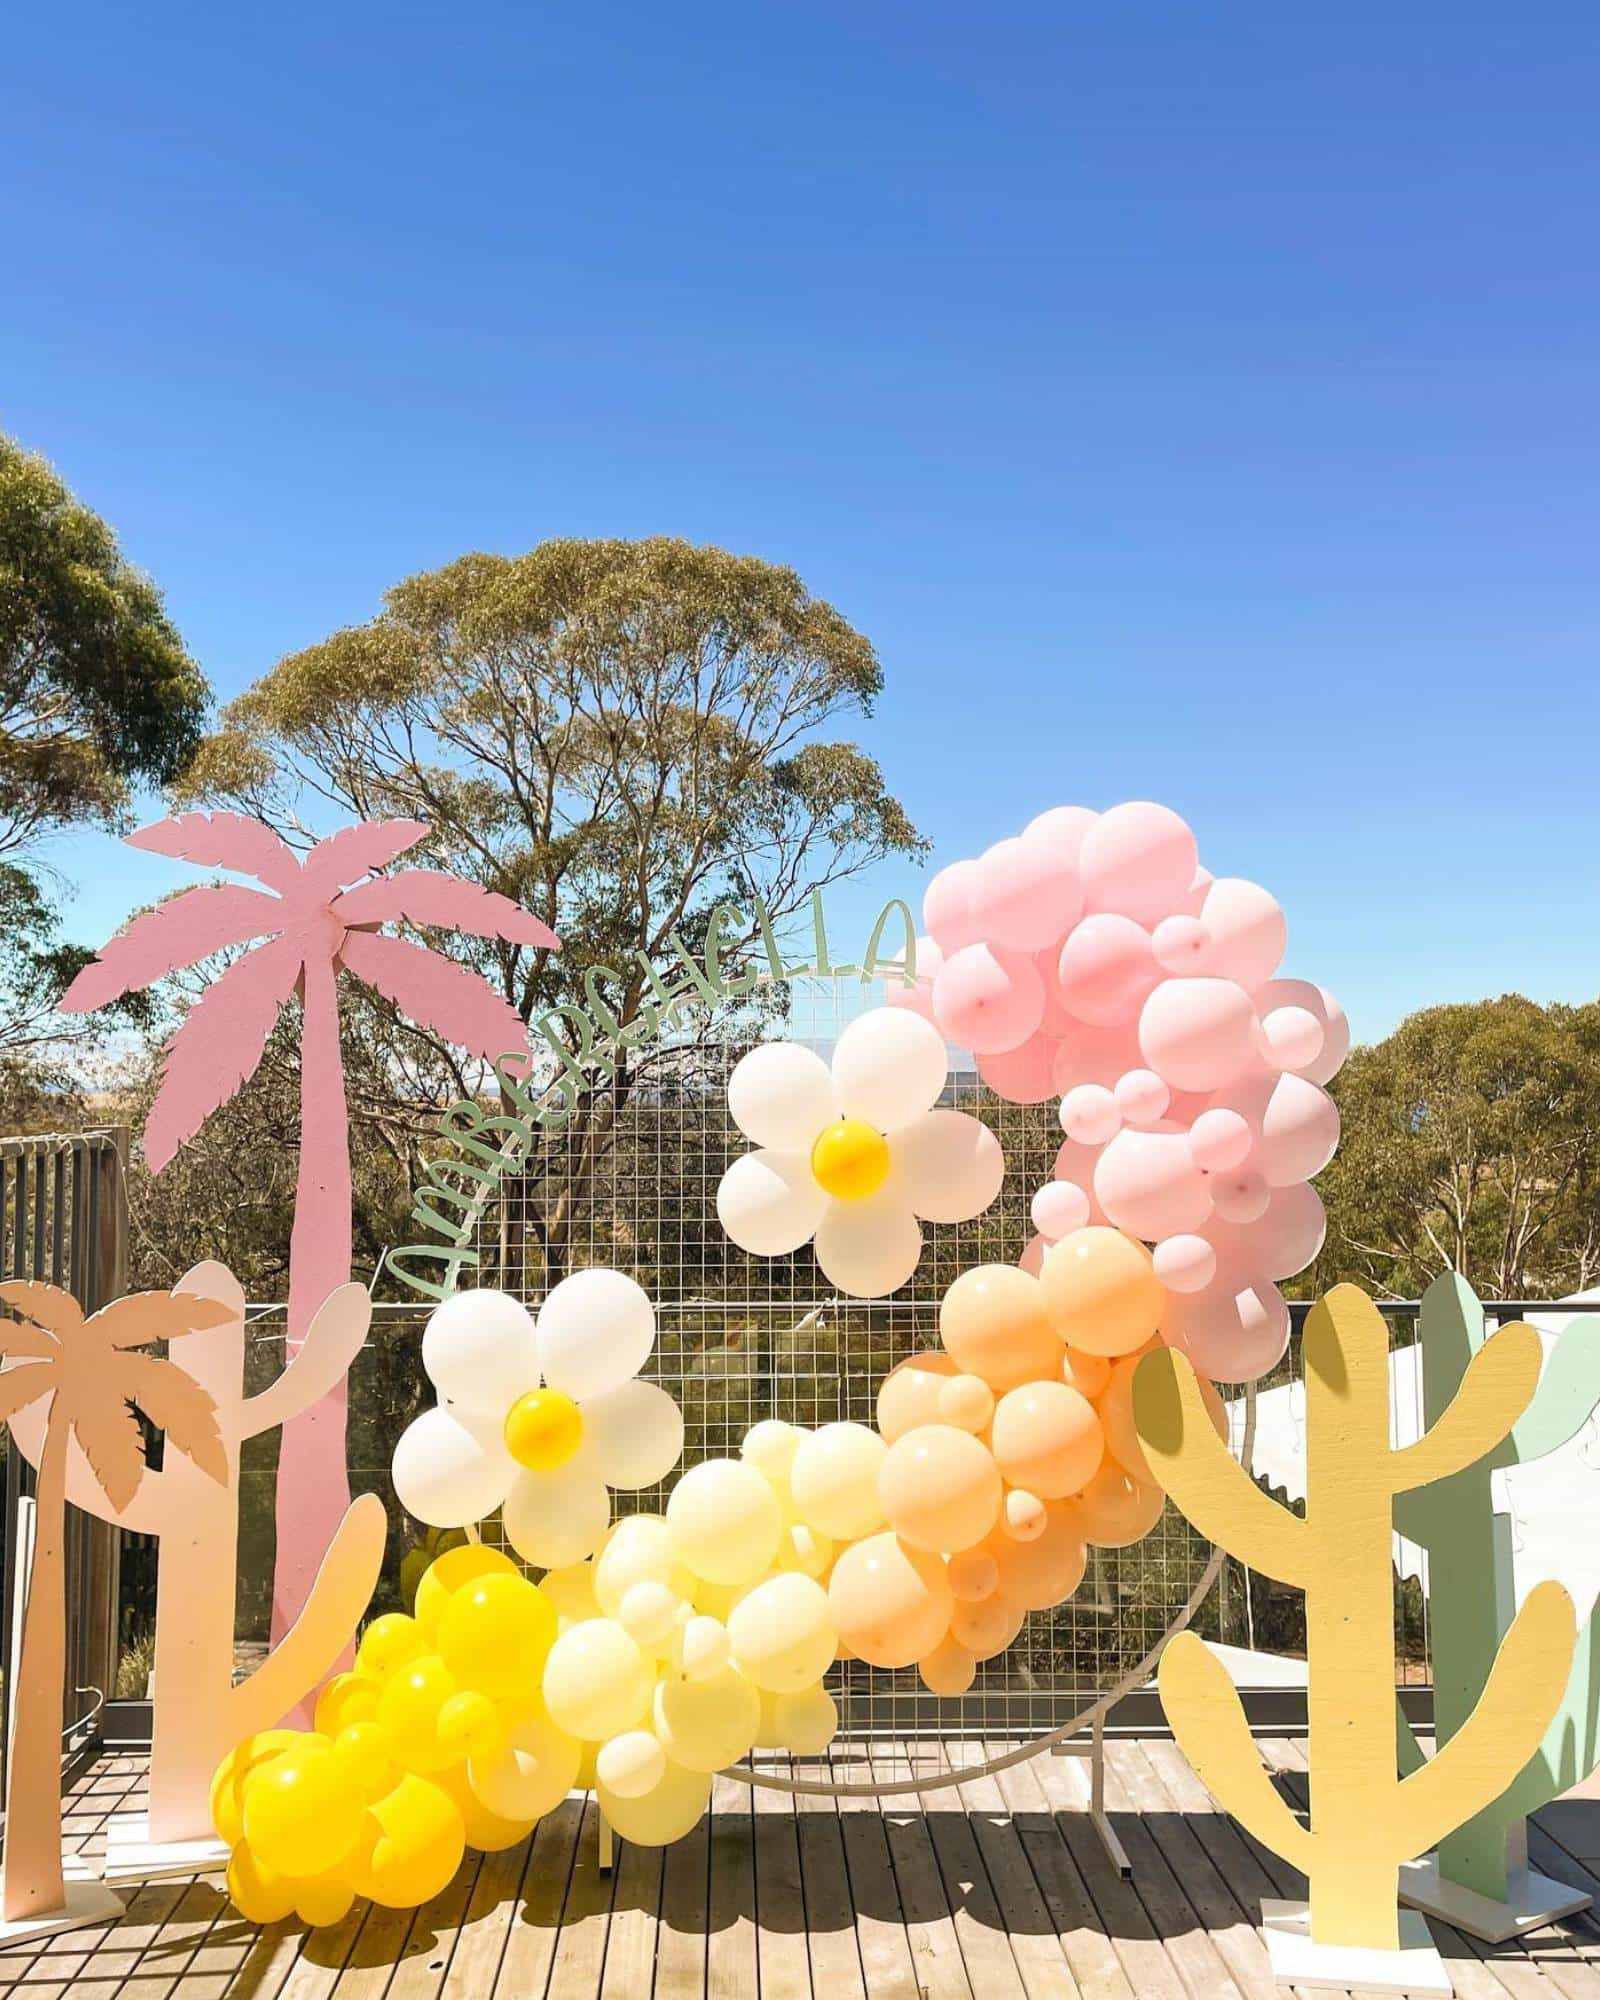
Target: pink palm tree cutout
[315, 917]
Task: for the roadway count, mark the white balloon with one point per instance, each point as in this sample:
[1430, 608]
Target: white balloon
[555, 1518]
[479, 1350]
[781, 1096]
[631, 1764]
[596, 1330]
[889, 1066]
[635, 1434]
[447, 1475]
[770, 1203]
[948, 1165]
[869, 1248]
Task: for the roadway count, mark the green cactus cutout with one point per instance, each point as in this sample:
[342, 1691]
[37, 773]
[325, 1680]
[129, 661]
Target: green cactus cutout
[1470, 1582]
[1365, 1819]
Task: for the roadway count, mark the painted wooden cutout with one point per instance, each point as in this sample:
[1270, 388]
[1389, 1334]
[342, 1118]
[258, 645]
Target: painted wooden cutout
[1364, 1821]
[319, 917]
[1470, 1599]
[77, 1377]
[199, 1713]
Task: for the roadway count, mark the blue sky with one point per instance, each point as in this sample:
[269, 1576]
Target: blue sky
[1191, 402]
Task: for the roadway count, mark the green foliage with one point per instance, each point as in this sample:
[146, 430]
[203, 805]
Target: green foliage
[1471, 1142]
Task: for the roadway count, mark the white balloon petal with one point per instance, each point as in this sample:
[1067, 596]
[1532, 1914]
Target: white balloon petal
[781, 1095]
[555, 1518]
[595, 1330]
[635, 1434]
[948, 1165]
[479, 1349]
[769, 1203]
[447, 1475]
[869, 1248]
[889, 1067]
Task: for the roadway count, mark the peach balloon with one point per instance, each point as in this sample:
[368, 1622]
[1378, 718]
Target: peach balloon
[1087, 1373]
[1101, 1293]
[987, 1627]
[940, 1488]
[972, 1575]
[948, 1669]
[1114, 1511]
[994, 1322]
[1024, 1515]
[1115, 1408]
[1036, 1575]
[1047, 1438]
[966, 1401]
[890, 1601]
[909, 1395]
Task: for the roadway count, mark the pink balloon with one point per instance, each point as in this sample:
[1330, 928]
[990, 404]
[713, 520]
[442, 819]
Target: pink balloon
[1076, 1163]
[1185, 1263]
[1291, 1038]
[1089, 1114]
[1239, 1195]
[947, 906]
[1320, 1003]
[1032, 1258]
[986, 1001]
[1094, 1055]
[1024, 1075]
[1180, 945]
[1295, 1124]
[1219, 1140]
[1248, 932]
[916, 999]
[1283, 1242]
[1149, 1186]
[1231, 1331]
[1194, 897]
[1138, 860]
[1062, 830]
[1026, 896]
[1142, 1098]
[1199, 1034]
[1106, 968]
[1058, 1208]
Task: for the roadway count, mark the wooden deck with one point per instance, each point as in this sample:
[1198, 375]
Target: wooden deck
[998, 1891]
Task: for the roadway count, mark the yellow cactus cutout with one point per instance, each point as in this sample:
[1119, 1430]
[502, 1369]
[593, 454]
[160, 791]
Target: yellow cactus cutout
[1365, 1820]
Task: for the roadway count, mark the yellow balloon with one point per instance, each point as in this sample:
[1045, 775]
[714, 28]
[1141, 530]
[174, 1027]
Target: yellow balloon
[496, 1633]
[570, 1591]
[725, 1521]
[834, 1480]
[663, 1815]
[891, 1601]
[487, 1831]
[630, 1764]
[259, 1893]
[535, 1771]
[409, 1709]
[234, 1773]
[783, 1635]
[347, 1698]
[1101, 1291]
[472, 1725]
[806, 1721]
[421, 1839]
[447, 1573]
[362, 1748]
[805, 1549]
[324, 1899]
[940, 1487]
[707, 1725]
[638, 1550]
[302, 1813]
[389, 1642]
[596, 1681]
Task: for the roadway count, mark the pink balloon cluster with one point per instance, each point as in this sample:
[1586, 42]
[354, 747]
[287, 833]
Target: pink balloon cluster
[1093, 959]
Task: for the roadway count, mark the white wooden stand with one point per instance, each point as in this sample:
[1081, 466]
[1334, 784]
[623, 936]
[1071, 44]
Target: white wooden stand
[1534, 1901]
[1415, 1968]
[88, 1901]
[605, 1843]
[132, 1856]
[1095, 1751]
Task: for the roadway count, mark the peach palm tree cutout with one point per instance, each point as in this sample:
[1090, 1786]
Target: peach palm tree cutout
[316, 916]
[91, 1371]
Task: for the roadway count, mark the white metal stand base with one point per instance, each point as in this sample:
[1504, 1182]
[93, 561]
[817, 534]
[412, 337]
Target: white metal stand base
[1095, 1751]
[132, 1856]
[1534, 1901]
[88, 1901]
[1415, 1968]
[605, 1844]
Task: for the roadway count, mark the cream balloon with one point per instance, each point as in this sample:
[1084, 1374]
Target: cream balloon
[532, 1775]
[834, 1480]
[596, 1681]
[705, 1725]
[782, 1634]
[725, 1522]
[661, 1816]
[630, 1765]
[638, 1550]
[806, 1721]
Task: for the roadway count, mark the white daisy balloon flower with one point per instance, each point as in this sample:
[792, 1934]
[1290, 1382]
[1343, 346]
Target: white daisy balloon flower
[854, 1155]
[539, 1416]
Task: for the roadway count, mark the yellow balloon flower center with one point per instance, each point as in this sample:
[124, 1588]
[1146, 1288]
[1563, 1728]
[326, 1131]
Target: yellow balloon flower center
[850, 1160]
[543, 1429]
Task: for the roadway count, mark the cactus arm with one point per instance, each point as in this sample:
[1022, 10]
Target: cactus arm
[1568, 1390]
[1521, 1694]
[1211, 1487]
[1407, 1750]
[1202, 1706]
[1571, 1746]
[1500, 1382]
[337, 1333]
[342, 1591]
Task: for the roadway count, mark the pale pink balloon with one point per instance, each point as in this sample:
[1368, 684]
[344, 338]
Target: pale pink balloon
[1032, 1258]
[1149, 1186]
[1027, 895]
[1194, 897]
[1239, 1195]
[1199, 1034]
[1219, 1140]
[1180, 945]
[1291, 1038]
[1076, 1163]
[1185, 1263]
[1248, 931]
[1282, 1242]
[1106, 969]
[1062, 830]
[1295, 1123]
[947, 906]
[1232, 1332]
[1321, 1005]
[1094, 1055]
[1138, 859]
[1089, 1114]
[987, 1001]
[916, 999]
[1142, 1098]
[1024, 1075]
[1058, 1208]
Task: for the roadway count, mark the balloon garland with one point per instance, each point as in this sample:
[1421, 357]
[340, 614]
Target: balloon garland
[1091, 959]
